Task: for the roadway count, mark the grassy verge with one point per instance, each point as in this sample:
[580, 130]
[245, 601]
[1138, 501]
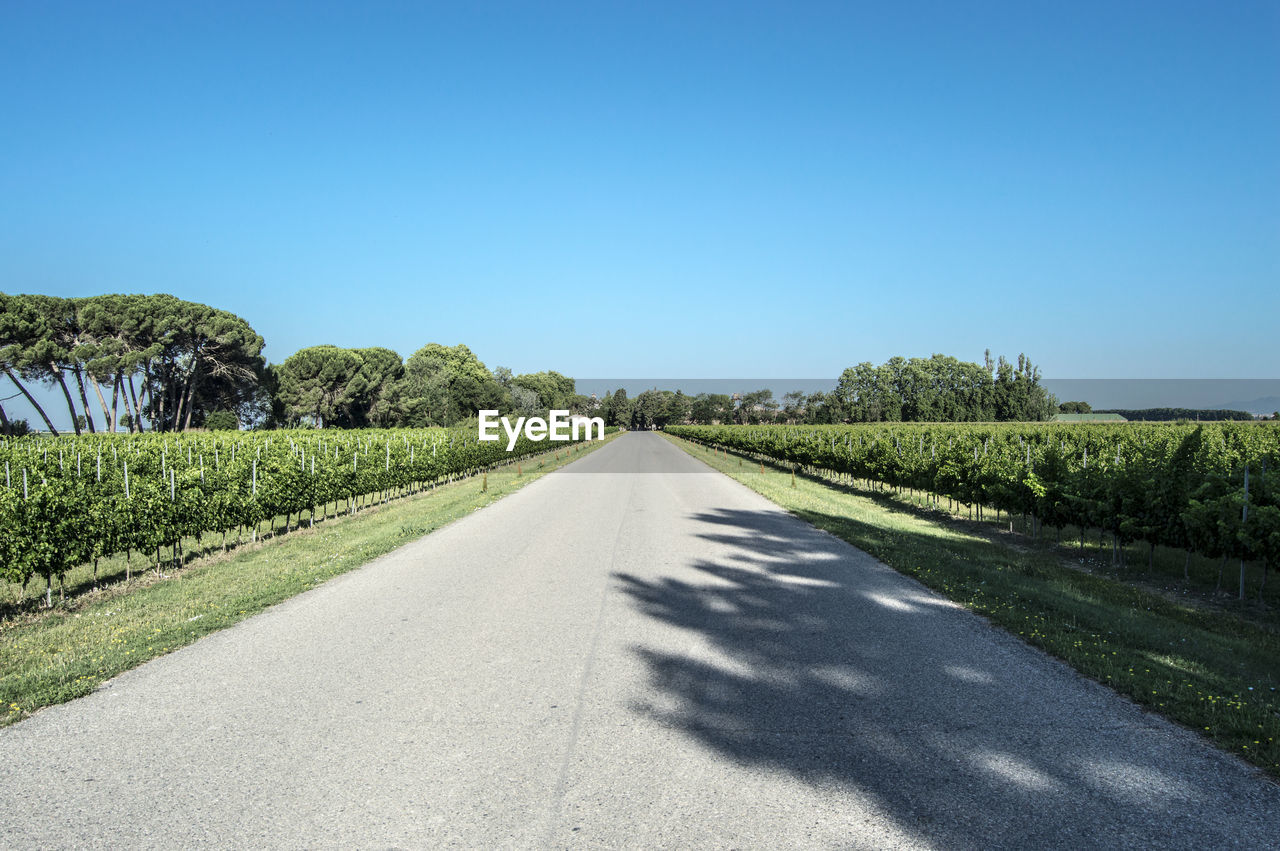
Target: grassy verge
[1214, 671]
[54, 656]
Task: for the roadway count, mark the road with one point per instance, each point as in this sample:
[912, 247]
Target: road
[637, 652]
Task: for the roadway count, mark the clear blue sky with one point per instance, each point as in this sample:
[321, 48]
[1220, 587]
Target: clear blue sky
[685, 189]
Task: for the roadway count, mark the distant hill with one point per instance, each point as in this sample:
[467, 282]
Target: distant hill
[1255, 395]
[1167, 414]
[1266, 405]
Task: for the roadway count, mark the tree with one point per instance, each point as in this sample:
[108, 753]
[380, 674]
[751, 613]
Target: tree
[709, 408]
[17, 428]
[793, 404]
[756, 407]
[582, 404]
[1018, 394]
[678, 408]
[185, 353]
[206, 354]
[20, 330]
[221, 421]
[819, 411]
[320, 383]
[105, 348]
[555, 390]
[526, 402]
[648, 410]
[40, 342]
[702, 409]
[381, 387]
[617, 408]
[856, 396]
[940, 389]
[445, 385]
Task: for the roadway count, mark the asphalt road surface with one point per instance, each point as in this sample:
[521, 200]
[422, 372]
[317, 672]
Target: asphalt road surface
[632, 652]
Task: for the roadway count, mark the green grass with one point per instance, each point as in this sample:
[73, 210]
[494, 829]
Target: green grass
[48, 657]
[1210, 669]
[1088, 418]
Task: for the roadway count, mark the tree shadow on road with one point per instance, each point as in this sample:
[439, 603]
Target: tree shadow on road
[813, 658]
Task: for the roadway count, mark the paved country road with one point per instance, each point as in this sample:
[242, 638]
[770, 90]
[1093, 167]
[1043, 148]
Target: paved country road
[631, 652]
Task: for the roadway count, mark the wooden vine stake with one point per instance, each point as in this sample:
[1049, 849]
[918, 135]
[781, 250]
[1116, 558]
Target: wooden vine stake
[1244, 520]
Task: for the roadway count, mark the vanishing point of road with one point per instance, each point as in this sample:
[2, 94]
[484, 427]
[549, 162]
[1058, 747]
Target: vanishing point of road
[632, 652]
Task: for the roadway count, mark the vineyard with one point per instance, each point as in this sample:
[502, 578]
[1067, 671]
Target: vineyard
[1208, 489]
[71, 501]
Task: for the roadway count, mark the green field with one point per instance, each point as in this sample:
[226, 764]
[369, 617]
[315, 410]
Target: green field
[1088, 418]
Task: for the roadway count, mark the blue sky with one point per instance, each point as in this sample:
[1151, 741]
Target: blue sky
[686, 189]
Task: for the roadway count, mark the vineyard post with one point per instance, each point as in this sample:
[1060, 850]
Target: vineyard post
[1263, 586]
[253, 537]
[1244, 520]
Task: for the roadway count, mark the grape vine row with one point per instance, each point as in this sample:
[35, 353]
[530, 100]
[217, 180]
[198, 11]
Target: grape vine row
[1207, 488]
[69, 501]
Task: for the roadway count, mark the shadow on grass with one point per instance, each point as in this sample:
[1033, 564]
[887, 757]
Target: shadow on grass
[1208, 582]
[838, 670]
[1198, 579]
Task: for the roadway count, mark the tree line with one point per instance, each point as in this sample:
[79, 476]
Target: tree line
[436, 386]
[159, 363]
[1174, 414]
[161, 360]
[943, 389]
[936, 389]
[166, 364]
